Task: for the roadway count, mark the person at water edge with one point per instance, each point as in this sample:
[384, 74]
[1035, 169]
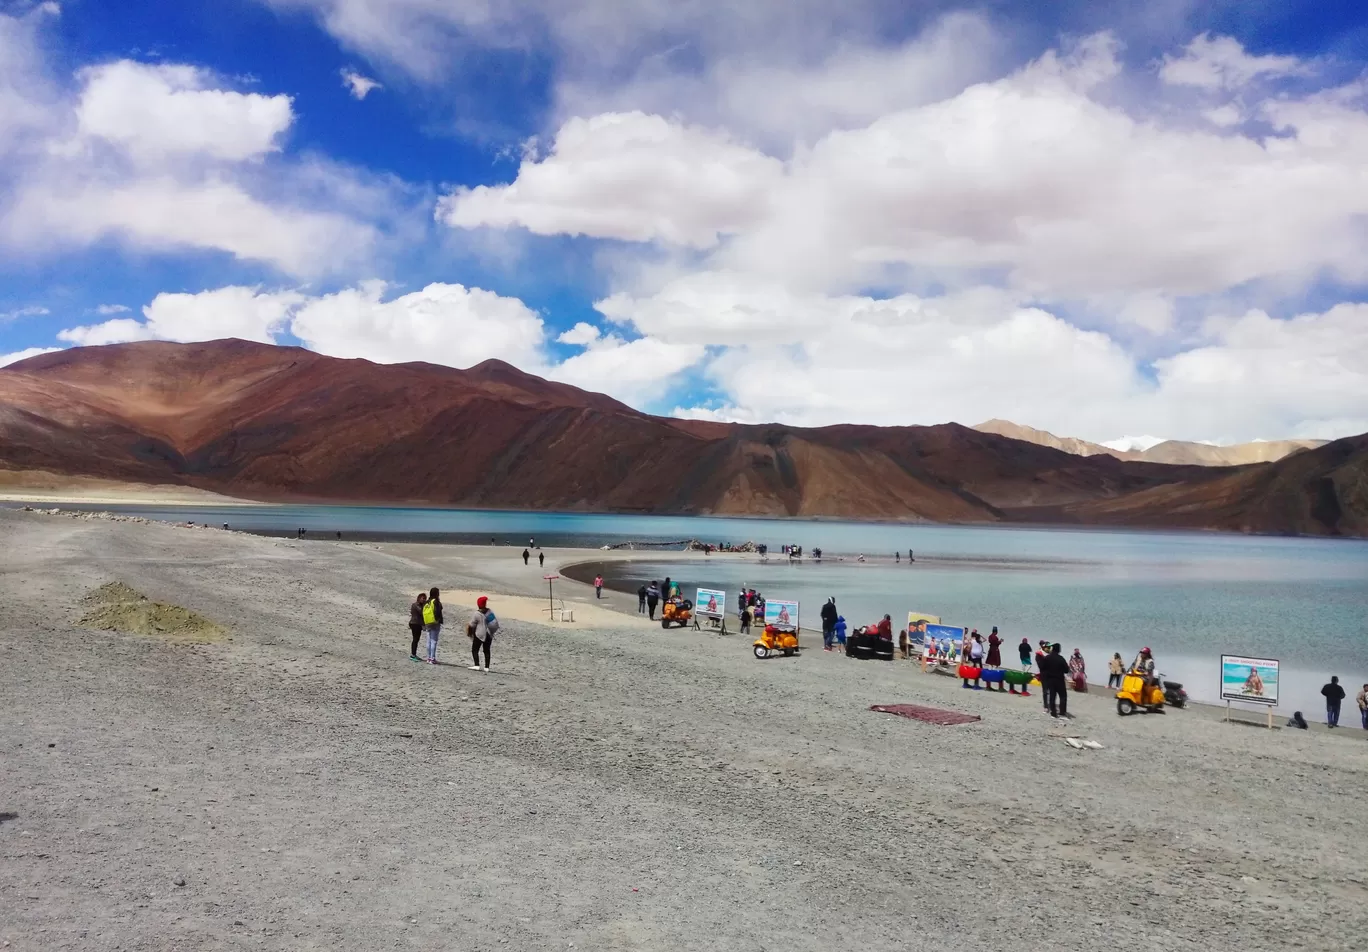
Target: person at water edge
[840, 630]
[1078, 672]
[1363, 706]
[481, 629]
[994, 658]
[598, 586]
[526, 555]
[1334, 695]
[1024, 652]
[541, 557]
[1054, 673]
[416, 624]
[965, 643]
[828, 624]
[1041, 653]
[665, 590]
[1115, 668]
[652, 599]
[432, 622]
[885, 628]
[747, 616]
[1297, 721]
[641, 600]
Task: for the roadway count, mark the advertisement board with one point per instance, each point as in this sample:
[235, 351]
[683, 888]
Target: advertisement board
[1249, 679]
[710, 601]
[915, 619]
[781, 614]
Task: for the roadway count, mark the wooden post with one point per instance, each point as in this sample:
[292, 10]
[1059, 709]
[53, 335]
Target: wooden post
[1270, 717]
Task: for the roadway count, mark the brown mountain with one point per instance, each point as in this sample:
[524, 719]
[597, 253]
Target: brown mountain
[283, 423]
[1176, 452]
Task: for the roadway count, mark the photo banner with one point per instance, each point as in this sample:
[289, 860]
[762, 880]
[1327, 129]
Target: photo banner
[950, 633]
[1254, 680]
[917, 625]
[781, 614]
[710, 601]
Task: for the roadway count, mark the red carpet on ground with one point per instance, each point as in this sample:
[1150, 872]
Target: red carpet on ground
[929, 714]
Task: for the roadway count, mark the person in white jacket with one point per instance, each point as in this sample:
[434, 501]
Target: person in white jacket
[482, 627]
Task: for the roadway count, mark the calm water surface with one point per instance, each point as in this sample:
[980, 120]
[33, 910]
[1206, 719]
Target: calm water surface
[1189, 596]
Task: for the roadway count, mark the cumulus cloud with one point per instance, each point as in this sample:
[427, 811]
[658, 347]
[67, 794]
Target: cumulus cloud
[358, 85]
[246, 313]
[1220, 62]
[631, 176]
[19, 313]
[14, 358]
[167, 157]
[639, 370]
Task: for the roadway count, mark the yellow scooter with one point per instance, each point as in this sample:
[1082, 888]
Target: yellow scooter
[1136, 694]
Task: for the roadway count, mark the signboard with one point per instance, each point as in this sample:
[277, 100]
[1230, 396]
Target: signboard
[939, 633]
[781, 614]
[913, 618]
[1249, 679]
[709, 601]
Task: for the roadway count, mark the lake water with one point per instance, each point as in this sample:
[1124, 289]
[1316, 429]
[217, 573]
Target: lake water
[1189, 596]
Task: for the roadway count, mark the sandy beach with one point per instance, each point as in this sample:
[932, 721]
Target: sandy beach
[287, 779]
[40, 487]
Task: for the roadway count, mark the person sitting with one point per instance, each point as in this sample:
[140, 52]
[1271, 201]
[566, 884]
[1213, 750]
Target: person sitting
[1297, 721]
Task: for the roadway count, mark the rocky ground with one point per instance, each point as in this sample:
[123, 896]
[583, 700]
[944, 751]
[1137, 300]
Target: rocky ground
[298, 783]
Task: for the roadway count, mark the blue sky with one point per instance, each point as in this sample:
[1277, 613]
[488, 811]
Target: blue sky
[1106, 220]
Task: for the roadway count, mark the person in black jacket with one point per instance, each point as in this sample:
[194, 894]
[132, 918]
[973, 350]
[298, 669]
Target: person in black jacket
[1334, 695]
[828, 624]
[416, 624]
[1054, 674]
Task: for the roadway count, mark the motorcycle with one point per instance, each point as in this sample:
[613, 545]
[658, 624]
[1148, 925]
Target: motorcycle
[1174, 695]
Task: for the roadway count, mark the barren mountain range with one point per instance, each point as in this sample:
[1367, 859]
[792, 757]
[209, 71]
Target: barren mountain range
[281, 423]
[1179, 452]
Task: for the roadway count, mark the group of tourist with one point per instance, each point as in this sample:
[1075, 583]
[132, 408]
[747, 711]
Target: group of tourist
[649, 596]
[426, 618]
[1334, 695]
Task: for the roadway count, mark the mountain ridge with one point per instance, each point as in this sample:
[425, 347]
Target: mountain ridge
[274, 423]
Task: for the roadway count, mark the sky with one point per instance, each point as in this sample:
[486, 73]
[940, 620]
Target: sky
[1107, 220]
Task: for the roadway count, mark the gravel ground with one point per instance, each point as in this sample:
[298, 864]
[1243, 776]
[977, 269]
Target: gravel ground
[300, 784]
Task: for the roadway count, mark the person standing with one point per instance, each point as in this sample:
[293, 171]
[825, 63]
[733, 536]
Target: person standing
[1363, 706]
[1054, 673]
[416, 624]
[1041, 654]
[746, 617]
[1115, 669]
[840, 630]
[1334, 695]
[598, 586]
[829, 624]
[1024, 652]
[526, 555]
[541, 558]
[432, 622]
[1078, 671]
[641, 600]
[994, 659]
[481, 629]
[652, 599]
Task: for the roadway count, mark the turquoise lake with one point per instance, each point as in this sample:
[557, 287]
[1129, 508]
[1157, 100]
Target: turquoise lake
[1189, 596]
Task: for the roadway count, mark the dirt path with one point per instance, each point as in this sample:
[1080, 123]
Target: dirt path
[610, 786]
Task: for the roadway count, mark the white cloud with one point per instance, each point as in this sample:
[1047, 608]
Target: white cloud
[358, 85]
[246, 313]
[19, 313]
[1220, 62]
[156, 111]
[638, 370]
[7, 359]
[106, 309]
[169, 158]
[442, 323]
[631, 176]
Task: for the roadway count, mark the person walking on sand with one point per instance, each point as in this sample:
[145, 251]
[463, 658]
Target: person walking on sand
[526, 555]
[598, 586]
[746, 617]
[1334, 695]
[641, 600]
[1115, 669]
[1054, 673]
[541, 558]
[481, 629]
[1363, 706]
[652, 599]
[416, 624]
[432, 622]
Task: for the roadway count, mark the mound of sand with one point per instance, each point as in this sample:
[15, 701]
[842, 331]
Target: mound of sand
[116, 607]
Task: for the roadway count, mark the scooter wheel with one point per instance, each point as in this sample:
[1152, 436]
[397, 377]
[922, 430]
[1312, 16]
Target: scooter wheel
[1125, 706]
[761, 652]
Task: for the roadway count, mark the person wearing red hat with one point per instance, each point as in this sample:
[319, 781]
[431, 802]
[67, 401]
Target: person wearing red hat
[481, 629]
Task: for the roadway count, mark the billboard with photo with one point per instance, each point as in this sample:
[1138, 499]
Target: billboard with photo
[1249, 679]
[710, 601]
[781, 614]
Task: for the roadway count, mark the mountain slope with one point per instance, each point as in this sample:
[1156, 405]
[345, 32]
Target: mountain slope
[284, 423]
